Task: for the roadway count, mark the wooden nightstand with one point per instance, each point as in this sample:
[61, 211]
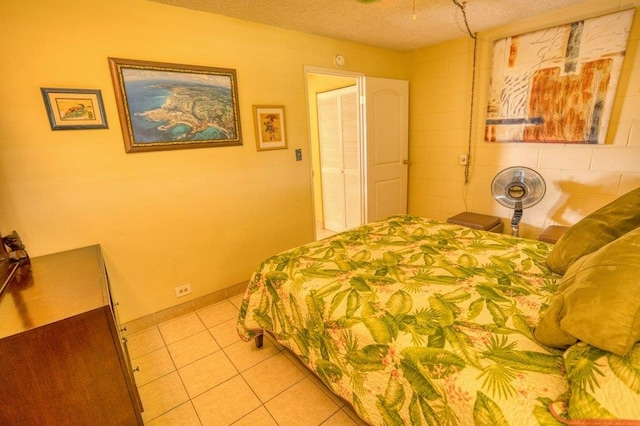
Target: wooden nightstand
[552, 233]
[478, 221]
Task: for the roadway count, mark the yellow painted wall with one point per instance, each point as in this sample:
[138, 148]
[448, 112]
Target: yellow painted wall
[579, 179]
[201, 216]
[209, 216]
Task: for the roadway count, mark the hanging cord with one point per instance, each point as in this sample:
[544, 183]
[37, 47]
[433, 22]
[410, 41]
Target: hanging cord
[473, 88]
[474, 36]
[462, 7]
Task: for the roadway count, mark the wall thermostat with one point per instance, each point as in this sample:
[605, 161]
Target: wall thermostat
[339, 60]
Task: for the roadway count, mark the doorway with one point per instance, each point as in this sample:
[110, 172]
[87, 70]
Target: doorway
[340, 158]
[383, 144]
[321, 81]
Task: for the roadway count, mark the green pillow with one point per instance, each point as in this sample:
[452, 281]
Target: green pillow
[595, 230]
[597, 300]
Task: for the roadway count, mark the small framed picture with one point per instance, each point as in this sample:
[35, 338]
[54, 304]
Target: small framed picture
[270, 127]
[74, 109]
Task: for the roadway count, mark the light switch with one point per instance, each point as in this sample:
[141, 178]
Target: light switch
[298, 154]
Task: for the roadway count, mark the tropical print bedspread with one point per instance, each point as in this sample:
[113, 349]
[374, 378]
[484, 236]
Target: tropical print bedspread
[604, 387]
[414, 321]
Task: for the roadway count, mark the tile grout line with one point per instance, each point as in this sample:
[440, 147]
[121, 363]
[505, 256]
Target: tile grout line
[177, 369]
[280, 350]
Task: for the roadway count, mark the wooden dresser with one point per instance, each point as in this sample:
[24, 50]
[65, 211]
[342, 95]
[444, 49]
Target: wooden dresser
[62, 359]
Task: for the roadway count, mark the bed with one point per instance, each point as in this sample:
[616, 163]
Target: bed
[415, 321]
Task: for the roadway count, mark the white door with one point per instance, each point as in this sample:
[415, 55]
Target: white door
[339, 140]
[386, 112]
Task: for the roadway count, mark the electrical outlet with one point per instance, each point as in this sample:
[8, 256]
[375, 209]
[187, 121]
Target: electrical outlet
[183, 290]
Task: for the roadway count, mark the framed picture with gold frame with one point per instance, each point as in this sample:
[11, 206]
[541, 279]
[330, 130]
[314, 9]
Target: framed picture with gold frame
[166, 106]
[74, 109]
[271, 132]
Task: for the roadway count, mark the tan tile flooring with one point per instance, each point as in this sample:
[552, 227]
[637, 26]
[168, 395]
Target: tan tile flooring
[195, 370]
[323, 233]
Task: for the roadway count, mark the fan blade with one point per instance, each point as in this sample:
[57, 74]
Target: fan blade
[515, 184]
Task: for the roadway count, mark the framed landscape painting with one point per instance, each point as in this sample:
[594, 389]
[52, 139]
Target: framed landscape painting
[170, 106]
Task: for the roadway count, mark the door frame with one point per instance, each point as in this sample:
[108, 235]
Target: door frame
[359, 79]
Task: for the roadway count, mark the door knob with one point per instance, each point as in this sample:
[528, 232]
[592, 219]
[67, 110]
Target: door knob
[407, 162]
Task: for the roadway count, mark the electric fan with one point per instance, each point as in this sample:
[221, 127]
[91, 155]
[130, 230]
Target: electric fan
[518, 188]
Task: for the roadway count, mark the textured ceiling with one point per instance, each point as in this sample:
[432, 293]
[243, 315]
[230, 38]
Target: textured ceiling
[387, 24]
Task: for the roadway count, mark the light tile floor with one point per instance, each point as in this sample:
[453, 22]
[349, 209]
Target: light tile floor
[195, 370]
[322, 233]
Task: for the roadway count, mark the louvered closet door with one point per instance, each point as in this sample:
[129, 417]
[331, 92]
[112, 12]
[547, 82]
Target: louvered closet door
[340, 158]
[351, 158]
[330, 130]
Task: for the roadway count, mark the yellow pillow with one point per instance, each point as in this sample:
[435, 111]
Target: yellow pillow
[597, 300]
[595, 230]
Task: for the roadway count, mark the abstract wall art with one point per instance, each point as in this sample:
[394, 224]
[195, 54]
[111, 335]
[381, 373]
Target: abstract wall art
[557, 85]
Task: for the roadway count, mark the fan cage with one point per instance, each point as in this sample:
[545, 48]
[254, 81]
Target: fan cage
[518, 184]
